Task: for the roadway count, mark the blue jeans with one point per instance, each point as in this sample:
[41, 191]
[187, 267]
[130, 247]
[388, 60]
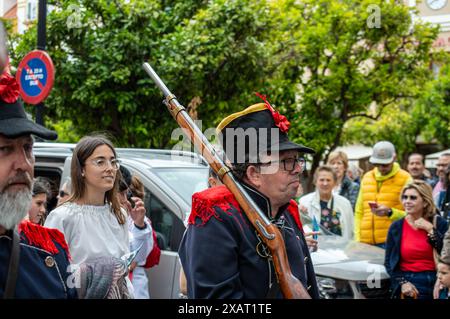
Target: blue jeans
[423, 281]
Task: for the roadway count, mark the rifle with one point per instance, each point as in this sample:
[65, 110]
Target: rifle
[290, 286]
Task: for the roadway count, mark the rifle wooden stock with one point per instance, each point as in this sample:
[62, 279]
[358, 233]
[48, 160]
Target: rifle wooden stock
[290, 286]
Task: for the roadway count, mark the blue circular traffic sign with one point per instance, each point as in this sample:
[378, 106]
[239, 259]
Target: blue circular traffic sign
[35, 76]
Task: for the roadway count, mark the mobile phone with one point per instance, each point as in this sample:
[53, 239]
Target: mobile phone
[316, 227]
[373, 205]
[129, 195]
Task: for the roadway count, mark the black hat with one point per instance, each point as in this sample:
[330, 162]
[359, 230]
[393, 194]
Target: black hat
[258, 128]
[13, 119]
[125, 181]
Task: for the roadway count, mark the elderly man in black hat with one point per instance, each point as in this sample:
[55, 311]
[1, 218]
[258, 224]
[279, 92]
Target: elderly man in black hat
[34, 260]
[220, 251]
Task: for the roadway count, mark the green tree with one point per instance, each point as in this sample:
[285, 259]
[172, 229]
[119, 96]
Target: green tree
[433, 108]
[337, 63]
[426, 117]
[209, 52]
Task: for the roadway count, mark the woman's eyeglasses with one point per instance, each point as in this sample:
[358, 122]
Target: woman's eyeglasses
[406, 197]
[103, 163]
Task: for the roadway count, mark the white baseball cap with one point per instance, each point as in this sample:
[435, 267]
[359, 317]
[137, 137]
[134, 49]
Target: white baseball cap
[383, 153]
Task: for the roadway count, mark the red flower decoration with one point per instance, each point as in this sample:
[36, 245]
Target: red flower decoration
[280, 120]
[9, 89]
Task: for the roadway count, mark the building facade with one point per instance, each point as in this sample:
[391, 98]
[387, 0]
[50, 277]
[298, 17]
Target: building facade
[436, 12]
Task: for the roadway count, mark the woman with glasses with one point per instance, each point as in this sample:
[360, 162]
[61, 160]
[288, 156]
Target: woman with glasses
[92, 220]
[332, 211]
[411, 242]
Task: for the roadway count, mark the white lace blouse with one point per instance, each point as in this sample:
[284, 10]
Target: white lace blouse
[90, 231]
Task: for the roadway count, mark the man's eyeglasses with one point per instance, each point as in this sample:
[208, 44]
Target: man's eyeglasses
[412, 197]
[103, 163]
[289, 163]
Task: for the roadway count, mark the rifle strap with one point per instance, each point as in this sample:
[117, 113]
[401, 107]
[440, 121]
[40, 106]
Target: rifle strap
[13, 269]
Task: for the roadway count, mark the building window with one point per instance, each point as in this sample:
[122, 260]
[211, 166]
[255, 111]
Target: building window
[32, 10]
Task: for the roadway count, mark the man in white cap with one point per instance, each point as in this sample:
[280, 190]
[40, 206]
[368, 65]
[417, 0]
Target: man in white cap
[378, 203]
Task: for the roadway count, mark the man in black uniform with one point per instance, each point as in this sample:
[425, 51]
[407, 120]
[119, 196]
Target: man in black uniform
[219, 251]
[34, 260]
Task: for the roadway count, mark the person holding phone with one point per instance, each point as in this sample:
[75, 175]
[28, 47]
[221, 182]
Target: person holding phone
[378, 203]
[140, 232]
[94, 223]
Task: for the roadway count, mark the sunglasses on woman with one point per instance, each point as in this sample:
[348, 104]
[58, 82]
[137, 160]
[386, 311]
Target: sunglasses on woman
[63, 193]
[406, 197]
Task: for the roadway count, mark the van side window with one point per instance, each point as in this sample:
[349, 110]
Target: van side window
[164, 222]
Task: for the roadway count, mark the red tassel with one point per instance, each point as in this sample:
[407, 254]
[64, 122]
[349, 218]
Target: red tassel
[280, 120]
[203, 204]
[43, 237]
[293, 210]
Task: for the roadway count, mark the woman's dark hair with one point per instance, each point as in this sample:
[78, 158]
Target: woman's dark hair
[41, 186]
[125, 180]
[85, 147]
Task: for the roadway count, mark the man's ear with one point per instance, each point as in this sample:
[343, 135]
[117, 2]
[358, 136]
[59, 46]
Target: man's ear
[253, 175]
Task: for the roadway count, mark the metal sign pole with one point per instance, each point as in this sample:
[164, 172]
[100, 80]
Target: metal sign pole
[41, 43]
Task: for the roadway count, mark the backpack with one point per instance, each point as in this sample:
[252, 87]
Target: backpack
[155, 254]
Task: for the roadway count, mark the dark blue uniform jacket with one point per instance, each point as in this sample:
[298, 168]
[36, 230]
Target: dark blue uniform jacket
[42, 273]
[218, 250]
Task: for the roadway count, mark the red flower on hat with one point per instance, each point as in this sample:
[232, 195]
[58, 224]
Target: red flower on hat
[280, 120]
[9, 89]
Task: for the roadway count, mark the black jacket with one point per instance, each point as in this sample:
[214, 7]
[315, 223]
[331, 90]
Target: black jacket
[219, 255]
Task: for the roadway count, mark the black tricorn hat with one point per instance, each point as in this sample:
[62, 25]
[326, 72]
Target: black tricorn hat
[13, 119]
[258, 128]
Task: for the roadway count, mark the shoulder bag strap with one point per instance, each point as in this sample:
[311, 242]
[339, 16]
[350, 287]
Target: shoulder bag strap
[13, 269]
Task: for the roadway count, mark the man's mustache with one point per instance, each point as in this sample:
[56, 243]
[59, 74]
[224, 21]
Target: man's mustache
[21, 178]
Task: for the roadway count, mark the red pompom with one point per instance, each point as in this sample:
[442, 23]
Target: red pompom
[280, 120]
[9, 89]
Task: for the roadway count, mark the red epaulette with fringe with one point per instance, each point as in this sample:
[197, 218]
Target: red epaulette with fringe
[203, 204]
[43, 237]
[293, 210]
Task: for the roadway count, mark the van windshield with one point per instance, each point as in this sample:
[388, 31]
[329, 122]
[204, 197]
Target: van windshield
[184, 181]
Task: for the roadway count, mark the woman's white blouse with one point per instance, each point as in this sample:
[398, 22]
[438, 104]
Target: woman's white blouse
[90, 231]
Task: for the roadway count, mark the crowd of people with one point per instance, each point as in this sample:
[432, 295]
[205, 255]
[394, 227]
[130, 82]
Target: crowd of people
[98, 241]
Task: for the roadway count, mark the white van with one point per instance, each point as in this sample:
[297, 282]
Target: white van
[344, 269]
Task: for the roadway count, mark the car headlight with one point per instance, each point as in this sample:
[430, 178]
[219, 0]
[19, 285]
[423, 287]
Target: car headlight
[330, 288]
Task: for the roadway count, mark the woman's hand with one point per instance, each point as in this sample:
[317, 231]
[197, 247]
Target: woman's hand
[422, 223]
[312, 244]
[409, 290]
[303, 209]
[137, 213]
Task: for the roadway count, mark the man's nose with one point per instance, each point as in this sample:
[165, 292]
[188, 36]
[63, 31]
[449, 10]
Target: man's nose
[297, 168]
